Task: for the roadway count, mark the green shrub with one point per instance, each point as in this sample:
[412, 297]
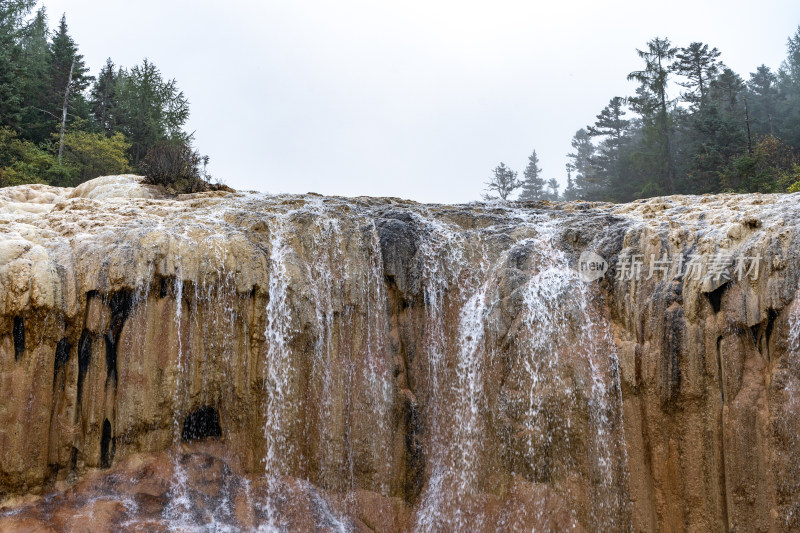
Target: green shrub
[174, 165]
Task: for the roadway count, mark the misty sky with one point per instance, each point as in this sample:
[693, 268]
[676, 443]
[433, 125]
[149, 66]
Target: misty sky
[412, 99]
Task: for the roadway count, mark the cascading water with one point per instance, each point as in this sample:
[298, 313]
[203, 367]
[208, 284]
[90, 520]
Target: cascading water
[200, 341]
[338, 380]
[567, 344]
[328, 269]
[455, 386]
[481, 392]
[278, 370]
[229, 361]
[179, 509]
[377, 369]
[794, 324]
[461, 279]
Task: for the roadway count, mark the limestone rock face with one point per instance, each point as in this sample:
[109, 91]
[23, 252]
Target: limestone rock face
[240, 361]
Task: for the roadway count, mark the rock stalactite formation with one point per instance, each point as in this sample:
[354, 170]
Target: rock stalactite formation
[235, 361]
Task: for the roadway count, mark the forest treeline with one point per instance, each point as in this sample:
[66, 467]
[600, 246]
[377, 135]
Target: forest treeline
[693, 126]
[62, 126]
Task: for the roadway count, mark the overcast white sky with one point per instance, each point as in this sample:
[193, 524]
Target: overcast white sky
[415, 99]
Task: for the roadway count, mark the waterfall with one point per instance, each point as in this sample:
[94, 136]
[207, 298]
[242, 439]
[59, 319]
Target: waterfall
[277, 372]
[455, 365]
[348, 367]
[202, 340]
[461, 278]
[178, 512]
[570, 360]
[377, 372]
[482, 392]
[227, 361]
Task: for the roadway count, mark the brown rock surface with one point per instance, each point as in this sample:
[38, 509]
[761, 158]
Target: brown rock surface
[236, 361]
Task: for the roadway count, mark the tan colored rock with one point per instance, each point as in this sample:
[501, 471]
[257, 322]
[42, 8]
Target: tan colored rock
[376, 364]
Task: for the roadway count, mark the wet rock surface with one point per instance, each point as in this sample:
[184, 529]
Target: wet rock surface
[233, 361]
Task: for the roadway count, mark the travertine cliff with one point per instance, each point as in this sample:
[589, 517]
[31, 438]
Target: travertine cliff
[233, 361]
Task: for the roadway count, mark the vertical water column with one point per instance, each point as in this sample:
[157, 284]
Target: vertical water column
[278, 372]
[326, 269]
[205, 345]
[351, 382]
[212, 340]
[456, 277]
[179, 508]
[570, 370]
[436, 251]
[343, 376]
[372, 382]
[470, 409]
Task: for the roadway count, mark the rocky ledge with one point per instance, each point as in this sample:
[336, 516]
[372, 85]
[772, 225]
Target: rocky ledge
[233, 361]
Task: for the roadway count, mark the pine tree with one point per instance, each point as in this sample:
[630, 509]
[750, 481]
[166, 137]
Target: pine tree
[653, 103]
[762, 95]
[149, 109]
[69, 79]
[65, 57]
[570, 193]
[611, 125]
[36, 118]
[713, 134]
[789, 91]
[585, 180]
[700, 66]
[726, 90]
[104, 98]
[532, 183]
[12, 14]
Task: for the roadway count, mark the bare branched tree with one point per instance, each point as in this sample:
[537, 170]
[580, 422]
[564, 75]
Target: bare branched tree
[503, 182]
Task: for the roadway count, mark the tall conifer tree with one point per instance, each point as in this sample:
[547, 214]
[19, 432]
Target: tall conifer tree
[532, 182]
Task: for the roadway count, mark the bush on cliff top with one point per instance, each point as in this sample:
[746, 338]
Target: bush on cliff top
[174, 165]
